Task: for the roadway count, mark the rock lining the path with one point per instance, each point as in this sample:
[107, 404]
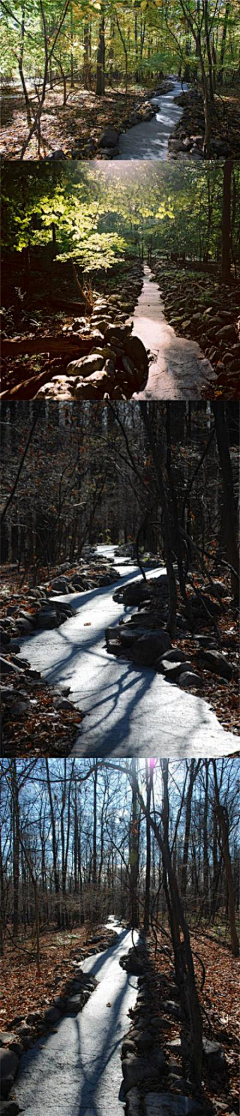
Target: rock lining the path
[144, 639]
[143, 1059]
[28, 1030]
[19, 683]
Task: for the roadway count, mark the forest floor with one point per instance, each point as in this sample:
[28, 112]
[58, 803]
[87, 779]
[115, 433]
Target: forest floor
[225, 120]
[28, 995]
[75, 129]
[220, 1005]
[31, 318]
[24, 991]
[35, 717]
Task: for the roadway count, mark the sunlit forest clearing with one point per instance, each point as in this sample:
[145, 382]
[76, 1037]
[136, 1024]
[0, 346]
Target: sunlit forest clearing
[121, 279]
[119, 936]
[75, 75]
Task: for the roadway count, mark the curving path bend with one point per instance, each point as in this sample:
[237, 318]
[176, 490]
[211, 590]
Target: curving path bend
[149, 139]
[76, 1071]
[128, 712]
[179, 370]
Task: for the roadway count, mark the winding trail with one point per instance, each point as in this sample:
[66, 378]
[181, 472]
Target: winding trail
[77, 1070]
[179, 370]
[128, 712]
[149, 140]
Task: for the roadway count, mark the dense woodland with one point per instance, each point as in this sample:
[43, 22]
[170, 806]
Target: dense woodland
[53, 51]
[156, 843]
[96, 217]
[86, 838]
[175, 468]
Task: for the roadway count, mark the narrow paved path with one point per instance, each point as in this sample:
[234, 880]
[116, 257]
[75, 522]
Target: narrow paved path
[77, 1070]
[128, 712]
[178, 369]
[150, 140]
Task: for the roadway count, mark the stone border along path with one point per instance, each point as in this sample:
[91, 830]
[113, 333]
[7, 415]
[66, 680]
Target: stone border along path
[149, 137]
[126, 711]
[144, 1064]
[178, 369]
[77, 1068]
[35, 1025]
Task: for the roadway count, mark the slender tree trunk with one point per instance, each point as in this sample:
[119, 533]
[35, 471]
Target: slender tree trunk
[100, 86]
[149, 782]
[230, 523]
[223, 828]
[134, 846]
[226, 221]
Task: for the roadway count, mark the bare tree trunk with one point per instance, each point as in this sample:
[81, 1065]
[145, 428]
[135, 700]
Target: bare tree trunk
[134, 846]
[166, 522]
[149, 782]
[224, 839]
[226, 221]
[219, 411]
[100, 86]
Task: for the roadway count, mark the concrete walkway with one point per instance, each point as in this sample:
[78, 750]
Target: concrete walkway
[149, 140]
[77, 1071]
[179, 369]
[129, 712]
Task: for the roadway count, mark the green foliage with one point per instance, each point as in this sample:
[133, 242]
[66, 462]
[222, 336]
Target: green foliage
[97, 216]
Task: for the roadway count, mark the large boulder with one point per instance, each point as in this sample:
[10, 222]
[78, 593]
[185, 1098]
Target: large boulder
[137, 353]
[216, 662]
[8, 1069]
[86, 365]
[138, 1071]
[148, 648]
[135, 594]
[109, 137]
[47, 617]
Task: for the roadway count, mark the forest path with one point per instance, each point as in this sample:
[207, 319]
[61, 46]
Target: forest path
[150, 140]
[179, 369]
[129, 712]
[78, 1069]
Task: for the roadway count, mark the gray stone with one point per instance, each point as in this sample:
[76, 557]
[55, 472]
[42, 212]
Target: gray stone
[47, 618]
[170, 1104]
[213, 1054]
[190, 679]
[74, 1004]
[148, 648]
[52, 1015]
[25, 626]
[175, 655]
[9, 1108]
[128, 1047]
[136, 1071]
[109, 137]
[8, 1064]
[133, 1101]
[135, 349]
[4, 637]
[217, 663]
[172, 671]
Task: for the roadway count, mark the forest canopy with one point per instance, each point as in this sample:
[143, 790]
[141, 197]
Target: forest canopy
[52, 50]
[99, 214]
